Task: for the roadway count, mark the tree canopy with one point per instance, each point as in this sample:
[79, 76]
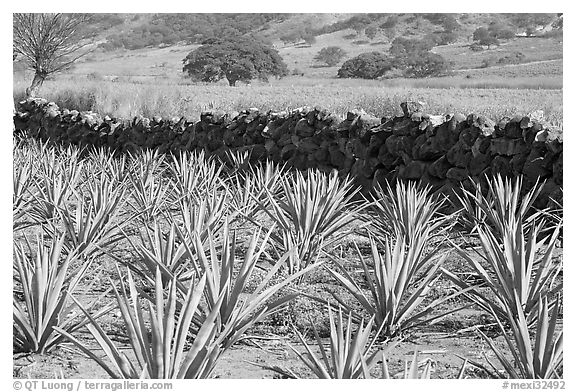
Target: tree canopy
[369, 65]
[239, 59]
[410, 56]
[330, 55]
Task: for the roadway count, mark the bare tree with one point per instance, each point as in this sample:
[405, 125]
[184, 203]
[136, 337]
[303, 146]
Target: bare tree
[48, 43]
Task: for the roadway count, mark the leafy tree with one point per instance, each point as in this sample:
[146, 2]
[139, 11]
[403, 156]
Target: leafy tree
[370, 65]
[49, 43]
[450, 24]
[291, 37]
[403, 47]
[390, 22]
[447, 38]
[414, 58]
[330, 55]
[425, 65]
[500, 31]
[483, 37]
[309, 38]
[558, 23]
[390, 33]
[448, 21]
[371, 32]
[480, 33]
[239, 59]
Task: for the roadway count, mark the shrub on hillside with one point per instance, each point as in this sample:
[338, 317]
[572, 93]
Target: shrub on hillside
[390, 22]
[426, 65]
[371, 32]
[402, 47]
[370, 65]
[500, 31]
[330, 55]
[447, 38]
[448, 21]
[482, 36]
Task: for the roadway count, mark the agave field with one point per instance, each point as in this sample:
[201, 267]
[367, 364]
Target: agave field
[190, 266]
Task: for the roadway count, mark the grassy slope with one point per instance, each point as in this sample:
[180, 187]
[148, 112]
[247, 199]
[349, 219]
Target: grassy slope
[149, 80]
[166, 63]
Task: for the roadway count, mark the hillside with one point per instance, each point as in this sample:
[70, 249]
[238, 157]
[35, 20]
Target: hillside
[151, 47]
[136, 31]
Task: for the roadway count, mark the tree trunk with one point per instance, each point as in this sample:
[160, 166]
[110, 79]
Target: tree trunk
[231, 82]
[37, 82]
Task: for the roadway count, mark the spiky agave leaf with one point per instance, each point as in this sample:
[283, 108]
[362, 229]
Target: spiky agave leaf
[193, 174]
[160, 251]
[228, 277]
[250, 190]
[502, 207]
[94, 224]
[408, 210]
[541, 358]
[312, 214]
[402, 278]
[349, 356]
[46, 280]
[149, 191]
[24, 188]
[160, 349]
[517, 270]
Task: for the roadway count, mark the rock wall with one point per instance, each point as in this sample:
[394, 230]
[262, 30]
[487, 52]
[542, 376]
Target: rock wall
[438, 150]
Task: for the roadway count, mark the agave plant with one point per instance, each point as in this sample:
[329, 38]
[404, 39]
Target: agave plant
[46, 281]
[236, 161]
[409, 211]
[502, 207]
[149, 193]
[202, 215]
[24, 189]
[159, 252]
[94, 223]
[313, 213]
[229, 278]
[160, 350]
[105, 162]
[402, 278]
[251, 190]
[193, 174]
[55, 188]
[517, 272]
[541, 358]
[351, 356]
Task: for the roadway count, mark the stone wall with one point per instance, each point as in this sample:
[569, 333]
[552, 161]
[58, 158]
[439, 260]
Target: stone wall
[439, 150]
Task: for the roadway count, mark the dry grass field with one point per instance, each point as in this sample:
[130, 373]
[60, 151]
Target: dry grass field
[129, 99]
